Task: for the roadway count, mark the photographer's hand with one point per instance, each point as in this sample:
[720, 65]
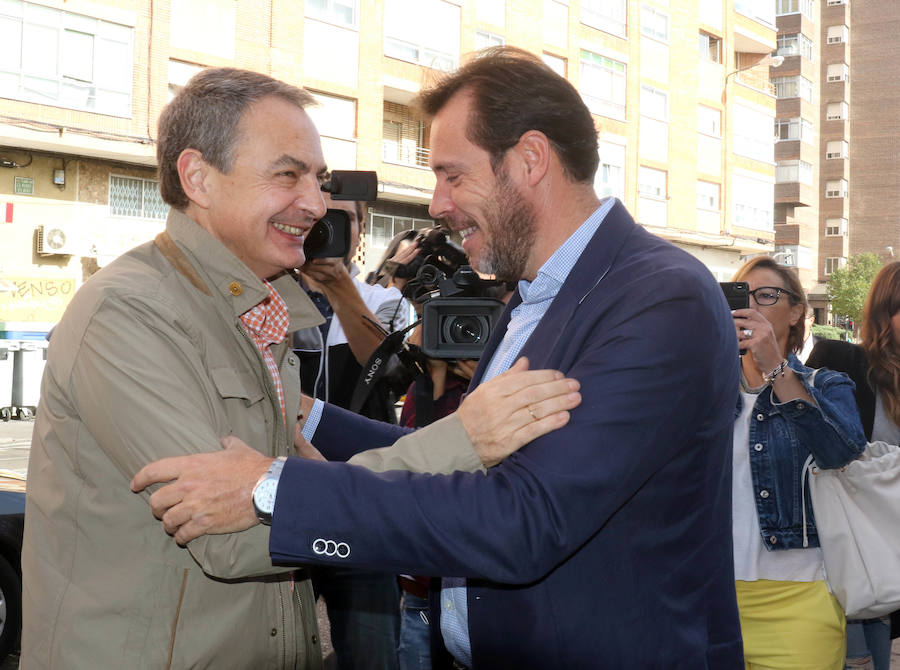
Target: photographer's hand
[512, 409]
[331, 277]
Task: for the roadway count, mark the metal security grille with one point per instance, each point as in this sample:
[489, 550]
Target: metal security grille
[140, 198]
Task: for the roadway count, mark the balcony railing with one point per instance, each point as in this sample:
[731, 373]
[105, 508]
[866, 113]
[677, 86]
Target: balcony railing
[404, 153]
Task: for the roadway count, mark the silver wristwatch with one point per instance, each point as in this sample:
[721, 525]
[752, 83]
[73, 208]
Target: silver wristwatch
[265, 490]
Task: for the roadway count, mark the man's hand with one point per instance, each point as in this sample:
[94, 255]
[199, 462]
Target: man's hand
[320, 273]
[207, 494]
[512, 409]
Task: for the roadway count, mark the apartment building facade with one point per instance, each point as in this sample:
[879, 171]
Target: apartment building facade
[680, 91]
[838, 165]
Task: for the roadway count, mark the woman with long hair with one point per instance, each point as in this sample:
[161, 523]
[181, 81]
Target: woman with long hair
[874, 366]
[786, 411]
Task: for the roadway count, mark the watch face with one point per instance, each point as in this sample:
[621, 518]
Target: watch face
[264, 496]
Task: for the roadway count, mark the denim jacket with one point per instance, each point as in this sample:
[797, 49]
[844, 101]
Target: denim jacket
[783, 435]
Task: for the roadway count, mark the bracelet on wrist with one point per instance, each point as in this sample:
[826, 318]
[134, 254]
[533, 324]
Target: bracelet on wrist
[769, 379]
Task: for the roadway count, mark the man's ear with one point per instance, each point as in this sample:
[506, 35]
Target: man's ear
[535, 152]
[194, 174]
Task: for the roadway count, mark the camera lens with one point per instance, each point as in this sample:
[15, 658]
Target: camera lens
[465, 329]
[318, 237]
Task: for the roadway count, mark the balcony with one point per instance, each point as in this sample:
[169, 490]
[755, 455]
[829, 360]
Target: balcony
[404, 153]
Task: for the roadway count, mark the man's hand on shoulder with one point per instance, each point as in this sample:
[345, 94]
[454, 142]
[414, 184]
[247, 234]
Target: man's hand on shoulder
[205, 494]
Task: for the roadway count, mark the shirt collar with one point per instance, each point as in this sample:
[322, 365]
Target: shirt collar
[227, 275]
[555, 270]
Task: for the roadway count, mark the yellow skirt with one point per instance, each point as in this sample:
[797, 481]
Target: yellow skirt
[791, 626]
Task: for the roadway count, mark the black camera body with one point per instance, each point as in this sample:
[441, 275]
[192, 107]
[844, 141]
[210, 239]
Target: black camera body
[330, 236]
[458, 322]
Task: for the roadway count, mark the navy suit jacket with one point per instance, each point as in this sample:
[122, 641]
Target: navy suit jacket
[604, 544]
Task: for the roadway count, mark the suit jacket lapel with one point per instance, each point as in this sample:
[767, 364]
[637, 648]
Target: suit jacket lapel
[590, 269]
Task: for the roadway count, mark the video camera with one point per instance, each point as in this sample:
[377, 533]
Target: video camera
[458, 313]
[330, 236]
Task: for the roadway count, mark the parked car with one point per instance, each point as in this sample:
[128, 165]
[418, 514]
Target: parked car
[12, 523]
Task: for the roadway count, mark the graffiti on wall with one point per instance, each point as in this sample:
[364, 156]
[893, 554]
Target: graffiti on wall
[39, 299]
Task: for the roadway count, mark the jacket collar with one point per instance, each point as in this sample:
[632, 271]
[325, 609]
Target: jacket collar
[226, 276]
[586, 275]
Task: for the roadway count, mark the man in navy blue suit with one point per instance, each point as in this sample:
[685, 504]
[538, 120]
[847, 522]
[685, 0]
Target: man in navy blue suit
[604, 544]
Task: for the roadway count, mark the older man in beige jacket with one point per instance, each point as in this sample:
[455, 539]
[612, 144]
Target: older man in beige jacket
[179, 347]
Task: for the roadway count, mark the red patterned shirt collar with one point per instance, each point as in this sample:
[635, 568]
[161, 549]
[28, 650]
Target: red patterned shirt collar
[267, 323]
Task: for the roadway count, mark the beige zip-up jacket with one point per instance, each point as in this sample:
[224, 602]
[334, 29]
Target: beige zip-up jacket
[149, 361]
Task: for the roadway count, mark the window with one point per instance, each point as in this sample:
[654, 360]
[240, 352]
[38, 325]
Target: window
[606, 15]
[837, 34]
[752, 200]
[422, 31]
[838, 72]
[836, 188]
[179, 75]
[54, 57]
[603, 85]
[794, 129]
[654, 23]
[836, 149]
[654, 103]
[403, 136]
[333, 116]
[134, 197]
[795, 45]
[793, 171]
[833, 263]
[753, 133]
[835, 227]
[557, 64]
[652, 196]
[610, 177]
[340, 12]
[794, 6]
[484, 39]
[710, 48]
[837, 111]
[709, 121]
[793, 87]
[707, 195]
[382, 228]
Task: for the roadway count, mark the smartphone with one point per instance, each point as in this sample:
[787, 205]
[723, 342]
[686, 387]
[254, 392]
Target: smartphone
[737, 293]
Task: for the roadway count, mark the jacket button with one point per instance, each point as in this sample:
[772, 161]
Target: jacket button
[235, 288]
[274, 632]
[757, 447]
[800, 405]
[763, 494]
[760, 417]
[315, 638]
[773, 539]
[292, 360]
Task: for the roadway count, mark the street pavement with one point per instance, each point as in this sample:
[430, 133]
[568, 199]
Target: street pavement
[15, 443]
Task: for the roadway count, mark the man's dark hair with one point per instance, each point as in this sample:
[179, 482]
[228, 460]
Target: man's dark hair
[206, 115]
[513, 92]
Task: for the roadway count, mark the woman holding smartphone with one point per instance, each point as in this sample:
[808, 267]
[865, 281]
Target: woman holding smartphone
[789, 619]
[874, 365]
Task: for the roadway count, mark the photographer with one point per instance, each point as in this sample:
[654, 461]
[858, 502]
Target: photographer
[362, 606]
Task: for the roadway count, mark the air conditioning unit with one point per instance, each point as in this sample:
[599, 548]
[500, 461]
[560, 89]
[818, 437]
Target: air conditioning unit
[58, 239]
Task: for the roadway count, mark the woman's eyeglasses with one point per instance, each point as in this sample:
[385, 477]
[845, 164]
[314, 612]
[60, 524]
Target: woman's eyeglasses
[768, 295]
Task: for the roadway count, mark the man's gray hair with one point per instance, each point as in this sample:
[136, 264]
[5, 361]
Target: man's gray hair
[206, 114]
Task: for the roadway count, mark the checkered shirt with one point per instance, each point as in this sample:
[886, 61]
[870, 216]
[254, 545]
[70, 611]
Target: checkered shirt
[267, 323]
